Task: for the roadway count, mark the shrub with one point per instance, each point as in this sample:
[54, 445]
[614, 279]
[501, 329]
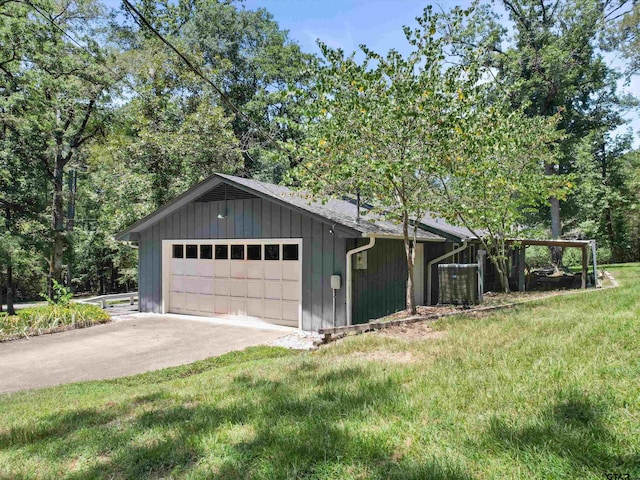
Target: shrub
[61, 295]
[603, 254]
[538, 256]
[35, 320]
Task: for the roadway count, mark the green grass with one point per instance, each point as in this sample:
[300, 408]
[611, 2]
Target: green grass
[546, 390]
[35, 320]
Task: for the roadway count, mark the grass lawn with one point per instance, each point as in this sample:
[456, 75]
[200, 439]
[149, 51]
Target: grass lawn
[546, 390]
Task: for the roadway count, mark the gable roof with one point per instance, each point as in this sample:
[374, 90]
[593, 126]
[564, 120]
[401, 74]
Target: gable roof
[341, 213]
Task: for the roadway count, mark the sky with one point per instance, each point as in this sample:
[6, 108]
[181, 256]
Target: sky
[348, 23]
[376, 23]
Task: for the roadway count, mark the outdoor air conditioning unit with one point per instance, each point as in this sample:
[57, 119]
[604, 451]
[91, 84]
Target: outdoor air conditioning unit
[458, 284]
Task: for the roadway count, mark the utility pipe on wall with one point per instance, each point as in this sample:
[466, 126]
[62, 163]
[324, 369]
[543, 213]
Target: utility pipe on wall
[436, 260]
[351, 253]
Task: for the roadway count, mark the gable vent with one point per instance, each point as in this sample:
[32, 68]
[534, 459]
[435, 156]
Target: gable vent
[224, 191]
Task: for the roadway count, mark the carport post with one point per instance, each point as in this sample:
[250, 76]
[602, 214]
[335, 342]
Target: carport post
[521, 260]
[595, 264]
[585, 262]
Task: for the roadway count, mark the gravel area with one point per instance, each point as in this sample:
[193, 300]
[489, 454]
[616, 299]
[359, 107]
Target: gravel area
[297, 341]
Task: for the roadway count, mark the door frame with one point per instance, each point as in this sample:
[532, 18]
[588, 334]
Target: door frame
[167, 252]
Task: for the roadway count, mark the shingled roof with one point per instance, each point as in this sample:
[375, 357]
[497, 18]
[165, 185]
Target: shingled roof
[339, 212]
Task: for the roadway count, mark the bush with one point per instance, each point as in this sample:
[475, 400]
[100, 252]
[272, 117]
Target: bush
[36, 320]
[61, 295]
[538, 256]
[603, 254]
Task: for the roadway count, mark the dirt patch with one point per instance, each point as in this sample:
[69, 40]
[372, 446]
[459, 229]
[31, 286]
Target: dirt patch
[425, 312]
[386, 356]
[412, 331]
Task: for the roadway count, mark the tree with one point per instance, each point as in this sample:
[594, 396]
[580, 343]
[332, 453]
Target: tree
[624, 35]
[243, 52]
[55, 96]
[492, 173]
[377, 129]
[548, 59]
[413, 135]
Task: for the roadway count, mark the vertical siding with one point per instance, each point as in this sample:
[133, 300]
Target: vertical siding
[432, 251]
[380, 289]
[316, 274]
[323, 254]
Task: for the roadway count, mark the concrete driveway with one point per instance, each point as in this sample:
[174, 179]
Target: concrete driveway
[138, 344]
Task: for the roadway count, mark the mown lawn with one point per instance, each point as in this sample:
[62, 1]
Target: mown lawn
[547, 390]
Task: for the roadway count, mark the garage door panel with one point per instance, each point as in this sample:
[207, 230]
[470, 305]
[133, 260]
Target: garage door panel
[255, 270]
[191, 302]
[291, 271]
[238, 288]
[221, 269]
[176, 283]
[221, 305]
[255, 289]
[238, 270]
[290, 311]
[177, 266]
[290, 291]
[190, 268]
[255, 308]
[272, 309]
[272, 270]
[205, 286]
[237, 306]
[206, 303]
[273, 290]
[191, 284]
[221, 287]
[205, 269]
[177, 300]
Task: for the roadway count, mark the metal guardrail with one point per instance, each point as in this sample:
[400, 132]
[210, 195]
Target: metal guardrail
[102, 300]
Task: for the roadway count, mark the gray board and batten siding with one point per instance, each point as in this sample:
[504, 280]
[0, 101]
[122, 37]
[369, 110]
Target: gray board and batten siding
[323, 253]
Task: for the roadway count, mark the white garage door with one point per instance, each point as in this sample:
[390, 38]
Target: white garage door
[253, 278]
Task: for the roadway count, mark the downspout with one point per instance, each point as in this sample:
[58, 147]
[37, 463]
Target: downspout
[436, 260]
[351, 253]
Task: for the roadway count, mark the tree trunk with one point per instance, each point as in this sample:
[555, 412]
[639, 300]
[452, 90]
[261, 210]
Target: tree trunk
[409, 254]
[501, 263]
[57, 224]
[501, 268]
[556, 222]
[7, 224]
[611, 233]
[10, 308]
[71, 215]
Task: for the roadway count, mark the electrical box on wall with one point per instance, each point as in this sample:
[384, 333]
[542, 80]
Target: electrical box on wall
[361, 261]
[335, 282]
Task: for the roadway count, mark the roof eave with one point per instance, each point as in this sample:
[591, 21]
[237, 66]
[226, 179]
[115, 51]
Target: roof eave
[400, 237]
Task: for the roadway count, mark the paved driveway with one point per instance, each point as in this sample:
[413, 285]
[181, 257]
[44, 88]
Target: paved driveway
[138, 344]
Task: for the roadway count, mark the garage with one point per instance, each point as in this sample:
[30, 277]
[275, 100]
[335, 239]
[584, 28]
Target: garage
[258, 278]
[241, 248]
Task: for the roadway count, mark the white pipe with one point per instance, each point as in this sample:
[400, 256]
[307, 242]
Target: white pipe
[350, 253]
[436, 260]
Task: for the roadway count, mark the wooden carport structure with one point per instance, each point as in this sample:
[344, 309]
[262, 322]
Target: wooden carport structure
[583, 245]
